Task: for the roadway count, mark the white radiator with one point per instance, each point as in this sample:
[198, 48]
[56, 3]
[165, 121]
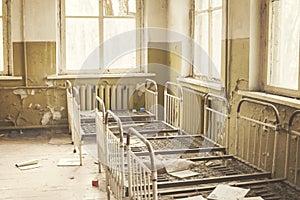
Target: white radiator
[115, 96]
[193, 107]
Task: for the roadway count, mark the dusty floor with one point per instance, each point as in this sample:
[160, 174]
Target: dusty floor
[49, 181]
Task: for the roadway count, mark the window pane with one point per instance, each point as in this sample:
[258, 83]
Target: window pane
[120, 43]
[132, 6]
[201, 51]
[82, 40]
[216, 43]
[82, 7]
[216, 3]
[283, 69]
[1, 48]
[201, 5]
[1, 8]
[118, 7]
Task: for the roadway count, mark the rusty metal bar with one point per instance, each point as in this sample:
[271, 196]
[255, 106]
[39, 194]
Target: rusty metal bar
[276, 128]
[133, 132]
[239, 177]
[297, 134]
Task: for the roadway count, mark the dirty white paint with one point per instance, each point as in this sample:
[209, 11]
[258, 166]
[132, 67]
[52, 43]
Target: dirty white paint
[38, 22]
[156, 13]
[239, 19]
[179, 21]
[155, 17]
[255, 50]
[178, 17]
[16, 18]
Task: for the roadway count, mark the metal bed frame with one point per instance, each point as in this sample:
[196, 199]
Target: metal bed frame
[81, 127]
[147, 127]
[69, 92]
[110, 136]
[189, 144]
[250, 176]
[151, 101]
[257, 130]
[173, 105]
[217, 120]
[293, 135]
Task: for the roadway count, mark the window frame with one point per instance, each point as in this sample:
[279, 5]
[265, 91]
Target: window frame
[208, 78]
[7, 45]
[266, 59]
[61, 49]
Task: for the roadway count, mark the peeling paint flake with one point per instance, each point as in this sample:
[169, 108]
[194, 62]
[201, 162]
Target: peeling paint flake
[50, 83]
[23, 93]
[46, 118]
[56, 115]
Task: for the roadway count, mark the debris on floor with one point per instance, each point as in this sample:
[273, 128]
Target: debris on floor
[183, 174]
[193, 198]
[68, 162]
[30, 164]
[226, 192]
[95, 183]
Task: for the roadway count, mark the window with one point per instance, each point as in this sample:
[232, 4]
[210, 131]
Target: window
[99, 35]
[283, 47]
[4, 39]
[207, 39]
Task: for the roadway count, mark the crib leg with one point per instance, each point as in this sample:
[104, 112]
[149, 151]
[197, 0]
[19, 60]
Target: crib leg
[74, 147]
[99, 167]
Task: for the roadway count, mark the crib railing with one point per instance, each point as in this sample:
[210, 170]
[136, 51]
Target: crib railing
[142, 181]
[293, 135]
[151, 97]
[100, 130]
[77, 140]
[257, 138]
[114, 157]
[217, 119]
[69, 93]
[173, 104]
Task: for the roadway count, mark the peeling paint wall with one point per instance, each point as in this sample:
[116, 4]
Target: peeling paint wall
[34, 100]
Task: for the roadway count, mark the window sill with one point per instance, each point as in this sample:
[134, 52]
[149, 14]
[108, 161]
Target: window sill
[287, 101]
[204, 84]
[93, 76]
[10, 78]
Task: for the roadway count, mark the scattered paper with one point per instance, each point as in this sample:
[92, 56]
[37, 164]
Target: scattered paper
[30, 164]
[193, 198]
[226, 192]
[68, 162]
[252, 198]
[184, 173]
